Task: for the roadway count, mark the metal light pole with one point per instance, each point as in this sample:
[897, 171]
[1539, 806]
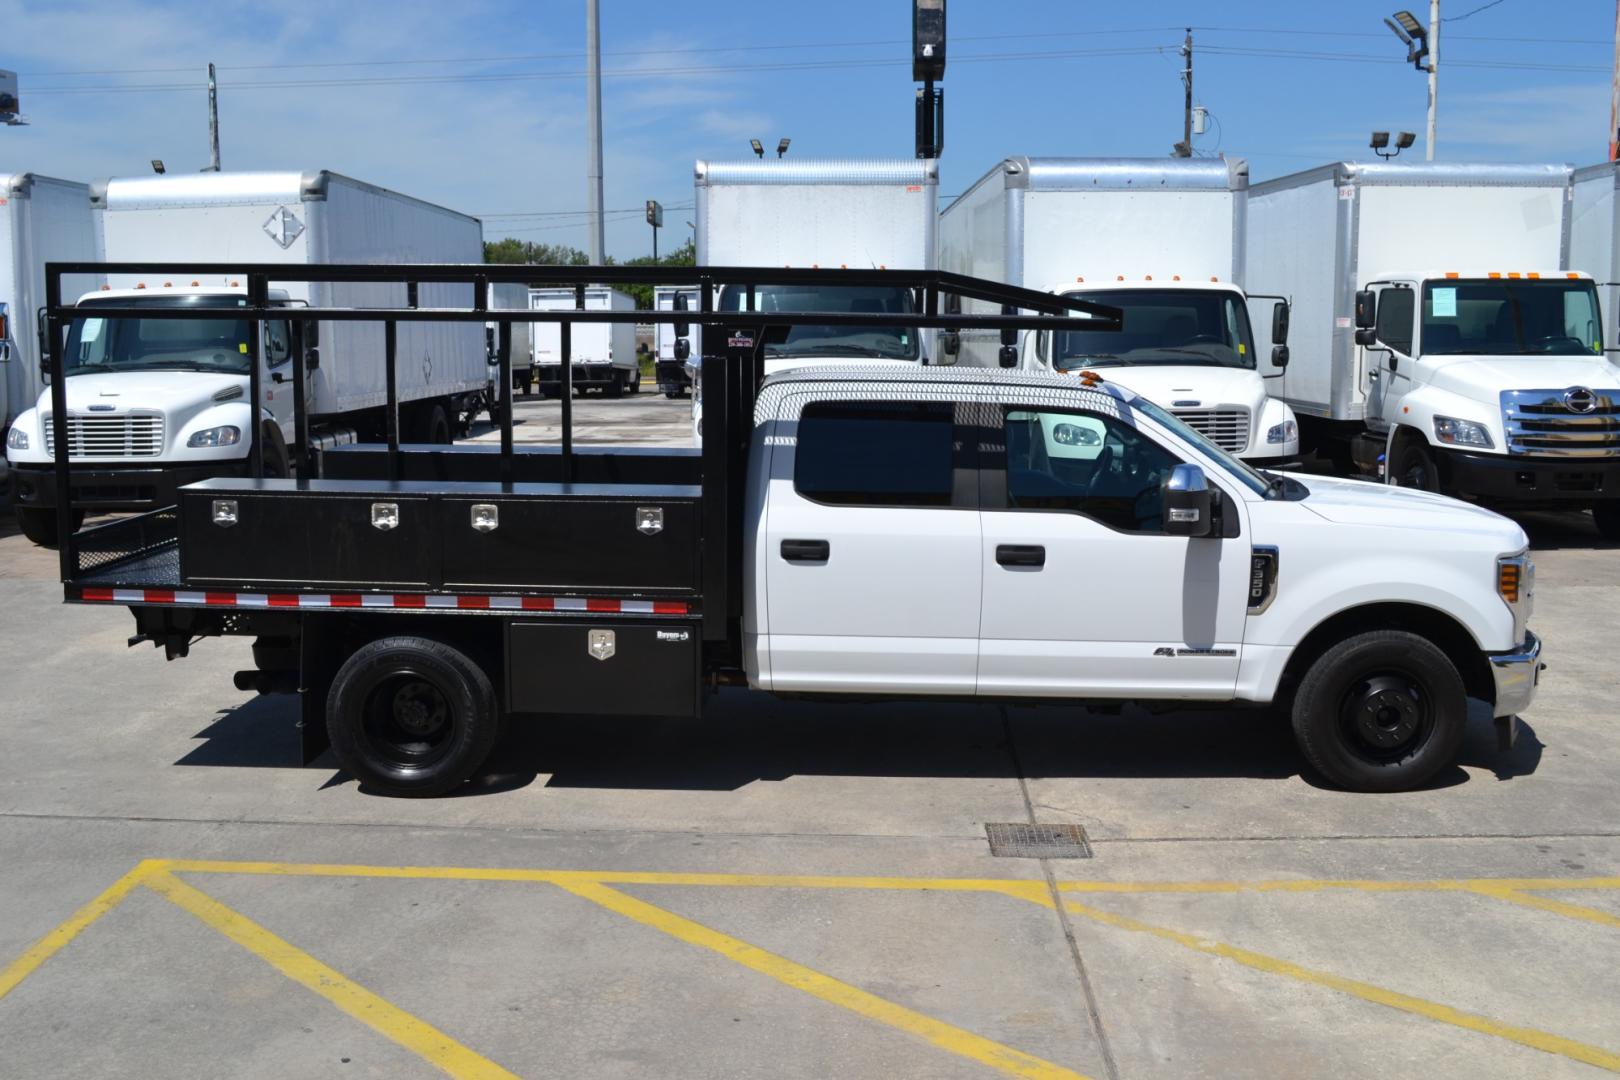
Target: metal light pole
[213, 122]
[1614, 92]
[1434, 73]
[1184, 147]
[593, 104]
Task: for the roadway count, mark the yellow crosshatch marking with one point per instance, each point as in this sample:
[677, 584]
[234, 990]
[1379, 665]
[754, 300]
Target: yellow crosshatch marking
[597, 887]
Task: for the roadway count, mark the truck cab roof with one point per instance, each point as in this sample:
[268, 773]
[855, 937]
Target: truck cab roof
[1168, 281]
[1477, 274]
[107, 295]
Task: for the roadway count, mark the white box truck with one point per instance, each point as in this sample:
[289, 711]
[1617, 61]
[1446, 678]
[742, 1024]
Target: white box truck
[512, 296]
[1594, 235]
[1161, 239]
[41, 220]
[670, 356]
[1440, 341]
[157, 403]
[602, 355]
[857, 214]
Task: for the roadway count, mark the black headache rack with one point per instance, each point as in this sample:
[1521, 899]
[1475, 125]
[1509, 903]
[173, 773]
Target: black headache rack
[474, 529]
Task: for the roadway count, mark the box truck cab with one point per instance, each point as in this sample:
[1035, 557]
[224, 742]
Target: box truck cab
[134, 390]
[669, 356]
[601, 356]
[850, 214]
[1190, 347]
[1492, 384]
[1161, 239]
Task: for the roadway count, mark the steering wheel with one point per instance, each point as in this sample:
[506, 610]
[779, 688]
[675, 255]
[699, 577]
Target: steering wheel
[1101, 466]
[1548, 342]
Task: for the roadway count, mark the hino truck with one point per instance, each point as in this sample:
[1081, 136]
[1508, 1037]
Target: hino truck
[1442, 344]
[601, 355]
[1161, 239]
[159, 401]
[41, 219]
[512, 295]
[669, 355]
[848, 531]
[867, 214]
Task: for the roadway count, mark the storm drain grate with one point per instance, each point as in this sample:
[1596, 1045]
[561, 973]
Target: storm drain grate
[1020, 840]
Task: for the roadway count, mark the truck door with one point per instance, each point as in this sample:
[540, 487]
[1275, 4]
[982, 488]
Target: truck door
[871, 552]
[1084, 594]
[276, 378]
[1390, 364]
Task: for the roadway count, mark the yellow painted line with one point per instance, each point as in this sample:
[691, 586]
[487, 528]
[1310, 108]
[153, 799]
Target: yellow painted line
[1308, 885]
[388, 1020]
[1547, 903]
[52, 943]
[1531, 1037]
[945, 1036]
[1022, 888]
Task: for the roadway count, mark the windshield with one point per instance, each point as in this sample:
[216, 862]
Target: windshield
[1252, 478]
[157, 344]
[887, 342]
[1161, 326]
[1511, 317]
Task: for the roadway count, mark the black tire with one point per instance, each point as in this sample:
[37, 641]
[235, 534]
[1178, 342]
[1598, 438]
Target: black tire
[672, 394]
[1413, 466]
[633, 381]
[412, 717]
[614, 387]
[277, 466]
[1381, 711]
[435, 425]
[1607, 517]
[40, 525]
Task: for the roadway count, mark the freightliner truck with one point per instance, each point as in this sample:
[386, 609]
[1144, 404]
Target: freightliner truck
[1161, 239]
[157, 402]
[847, 531]
[1440, 343]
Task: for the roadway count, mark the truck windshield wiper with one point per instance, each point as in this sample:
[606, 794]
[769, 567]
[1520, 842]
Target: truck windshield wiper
[851, 350]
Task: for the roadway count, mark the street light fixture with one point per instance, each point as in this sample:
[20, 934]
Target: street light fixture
[157, 166]
[1380, 140]
[1423, 53]
[781, 147]
[759, 148]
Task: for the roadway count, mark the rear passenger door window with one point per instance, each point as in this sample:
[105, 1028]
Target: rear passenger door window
[1086, 464]
[876, 454]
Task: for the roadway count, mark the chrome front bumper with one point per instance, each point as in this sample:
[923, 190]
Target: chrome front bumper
[1516, 674]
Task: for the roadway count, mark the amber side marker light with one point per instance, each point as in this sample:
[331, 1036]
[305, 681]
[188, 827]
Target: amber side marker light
[1507, 581]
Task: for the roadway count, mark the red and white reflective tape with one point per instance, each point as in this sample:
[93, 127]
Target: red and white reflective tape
[387, 601]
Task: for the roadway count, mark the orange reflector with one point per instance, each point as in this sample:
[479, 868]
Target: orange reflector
[140, 285]
[234, 284]
[1494, 274]
[843, 266]
[1507, 581]
[1513, 274]
[1175, 277]
[1406, 408]
[1090, 379]
[194, 284]
[1148, 277]
[168, 284]
[1451, 273]
[1212, 277]
[882, 267]
[1533, 276]
[1572, 274]
[106, 288]
[2, 327]
[1119, 277]
[1079, 279]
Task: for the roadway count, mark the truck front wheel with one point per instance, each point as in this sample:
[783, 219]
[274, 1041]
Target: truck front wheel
[1607, 516]
[40, 525]
[1381, 711]
[1412, 465]
[411, 716]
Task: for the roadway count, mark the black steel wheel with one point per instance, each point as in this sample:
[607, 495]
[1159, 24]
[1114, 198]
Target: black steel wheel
[1381, 711]
[411, 716]
[1413, 466]
[39, 525]
[436, 425]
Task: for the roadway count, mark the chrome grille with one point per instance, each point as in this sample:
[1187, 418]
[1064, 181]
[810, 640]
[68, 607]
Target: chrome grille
[1540, 422]
[132, 434]
[1226, 428]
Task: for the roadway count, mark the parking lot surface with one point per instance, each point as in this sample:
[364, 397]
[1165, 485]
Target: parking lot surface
[794, 890]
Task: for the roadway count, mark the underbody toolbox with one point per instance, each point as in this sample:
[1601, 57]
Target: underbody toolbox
[617, 668]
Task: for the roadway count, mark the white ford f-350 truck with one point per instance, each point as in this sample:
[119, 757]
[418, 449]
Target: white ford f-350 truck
[847, 531]
[1161, 239]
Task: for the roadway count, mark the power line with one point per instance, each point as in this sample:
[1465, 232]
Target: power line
[1476, 11]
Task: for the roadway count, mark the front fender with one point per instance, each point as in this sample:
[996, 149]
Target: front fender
[1273, 413]
[1420, 406]
[235, 414]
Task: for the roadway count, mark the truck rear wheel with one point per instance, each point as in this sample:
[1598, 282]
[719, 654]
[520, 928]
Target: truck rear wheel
[1607, 516]
[435, 425]
[40, 525]
[614, 387]
[411, 716]
[1381, 711]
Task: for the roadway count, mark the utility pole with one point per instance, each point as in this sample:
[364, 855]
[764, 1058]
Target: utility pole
[1184, 147]
[1614, 92]
[213, 122]
[593, 102]
[1434, 72]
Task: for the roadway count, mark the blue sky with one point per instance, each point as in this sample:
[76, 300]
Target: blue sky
[480, 104]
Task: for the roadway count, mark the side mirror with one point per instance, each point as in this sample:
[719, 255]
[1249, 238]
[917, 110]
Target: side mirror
[683, 349]
[1008, 357]
[1279, 356]
[1279, 324]
[1366, 336]
[681, 329]
[950, 342]
[1188, 502]
[41, 328]
[1366, 310]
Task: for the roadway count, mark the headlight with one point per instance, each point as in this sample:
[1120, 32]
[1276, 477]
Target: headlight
[1516, 585]
[216, 436]
[1455, 432]
[16, 439]
[1287, 431]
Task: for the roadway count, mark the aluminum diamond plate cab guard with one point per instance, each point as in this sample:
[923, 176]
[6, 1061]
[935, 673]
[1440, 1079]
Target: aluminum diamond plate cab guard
[283, 226]
[602, 644]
